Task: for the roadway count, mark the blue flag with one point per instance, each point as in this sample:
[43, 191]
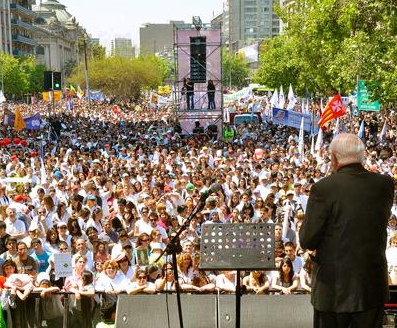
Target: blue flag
[361, 130]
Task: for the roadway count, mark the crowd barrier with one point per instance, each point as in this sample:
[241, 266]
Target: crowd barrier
[160, 310]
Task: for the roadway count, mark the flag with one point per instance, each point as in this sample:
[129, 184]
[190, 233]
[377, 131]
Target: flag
[267, 108]
[333, 110]
[361, 130]
[69, 104]
[281, 99]
[291, 98]
[336, 127]
[80, 93]
[312, 152]
[301, 144]
[43, 172]
[19, 123]
[383, 133]
[319, 141]
[72, 90]
[274, 99]
[2, 98]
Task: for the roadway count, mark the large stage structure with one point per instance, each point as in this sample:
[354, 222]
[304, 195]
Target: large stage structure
[198, 57]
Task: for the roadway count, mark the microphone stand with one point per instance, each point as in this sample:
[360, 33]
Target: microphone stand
[172, 247]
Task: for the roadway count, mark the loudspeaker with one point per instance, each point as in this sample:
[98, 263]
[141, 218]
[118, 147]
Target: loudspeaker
[47, 80]
[273, 311]
[57, 81]
[161, 310]
[198, 59]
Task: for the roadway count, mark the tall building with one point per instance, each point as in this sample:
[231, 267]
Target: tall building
[16, 27]
[157, 38]
[57, 34]
[122, 47]
[247, 21]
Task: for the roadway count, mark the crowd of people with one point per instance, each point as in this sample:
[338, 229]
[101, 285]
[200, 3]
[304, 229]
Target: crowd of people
[114, 185]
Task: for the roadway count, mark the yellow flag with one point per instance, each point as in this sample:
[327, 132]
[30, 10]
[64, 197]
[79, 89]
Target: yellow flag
[19, 123]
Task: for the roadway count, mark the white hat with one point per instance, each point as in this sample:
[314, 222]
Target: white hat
[42, 276]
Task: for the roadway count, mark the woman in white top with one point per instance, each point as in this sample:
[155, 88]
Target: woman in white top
[110, 282]
[286, 282]
[61, 215]
[141, 285]
[256, 282]
[95, 220]
[167, 280]
[185, 272]
[226, 281]
[305, 274]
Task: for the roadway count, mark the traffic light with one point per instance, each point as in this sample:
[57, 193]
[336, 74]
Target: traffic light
[57, 79]
[47, 80]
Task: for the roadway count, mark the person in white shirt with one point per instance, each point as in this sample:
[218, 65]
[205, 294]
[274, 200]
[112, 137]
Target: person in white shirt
[82, 250]
[16, 228]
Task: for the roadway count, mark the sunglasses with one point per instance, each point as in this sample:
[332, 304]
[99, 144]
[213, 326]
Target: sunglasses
[153, 220]
[142, 277]
[63, 249]
[145, 240]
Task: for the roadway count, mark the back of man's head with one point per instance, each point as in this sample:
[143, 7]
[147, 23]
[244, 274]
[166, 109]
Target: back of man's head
[348, 149]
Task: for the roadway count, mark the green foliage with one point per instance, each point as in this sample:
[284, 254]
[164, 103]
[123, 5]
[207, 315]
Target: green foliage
[121, 77]
[328, 44]
[34, 74]
[14, 74]
[69, 66]
[235, 70]
[97, 51]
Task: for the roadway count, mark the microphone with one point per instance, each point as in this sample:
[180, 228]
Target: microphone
[214, 188]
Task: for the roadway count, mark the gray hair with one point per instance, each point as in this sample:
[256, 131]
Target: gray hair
[348, 149]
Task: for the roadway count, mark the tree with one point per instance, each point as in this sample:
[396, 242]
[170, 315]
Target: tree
[14, 75]
[235, 70]
[97, 51]
[121, 77]
[69, 66]
[328, 44]
[34, 74]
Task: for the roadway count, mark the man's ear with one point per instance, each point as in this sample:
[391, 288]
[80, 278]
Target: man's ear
[334, 162]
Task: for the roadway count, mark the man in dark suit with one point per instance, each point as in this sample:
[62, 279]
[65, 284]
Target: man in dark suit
[345, 227]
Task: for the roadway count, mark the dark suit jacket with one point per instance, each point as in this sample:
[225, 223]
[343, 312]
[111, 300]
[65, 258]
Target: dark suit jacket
[346, 221]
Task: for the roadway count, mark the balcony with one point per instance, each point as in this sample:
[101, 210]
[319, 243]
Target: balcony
[21, 9]
[20, 53]
[19, 23]
[23, 39]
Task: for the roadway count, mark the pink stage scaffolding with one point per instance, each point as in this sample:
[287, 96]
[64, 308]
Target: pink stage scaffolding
[200, 72]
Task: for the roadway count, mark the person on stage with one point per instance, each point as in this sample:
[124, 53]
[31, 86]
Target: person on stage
[345, 230]
[211, 94]
[189, 87]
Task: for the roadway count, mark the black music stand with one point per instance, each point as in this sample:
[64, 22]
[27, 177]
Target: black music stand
[237, 246]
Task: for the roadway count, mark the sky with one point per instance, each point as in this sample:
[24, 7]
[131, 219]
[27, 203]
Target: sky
[123, 18]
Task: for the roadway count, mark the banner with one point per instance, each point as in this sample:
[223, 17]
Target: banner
[243, 93]
[63, 265]
[32, 122]
[96, 95]
[47, 96]
[293, 119]
[363, 97]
